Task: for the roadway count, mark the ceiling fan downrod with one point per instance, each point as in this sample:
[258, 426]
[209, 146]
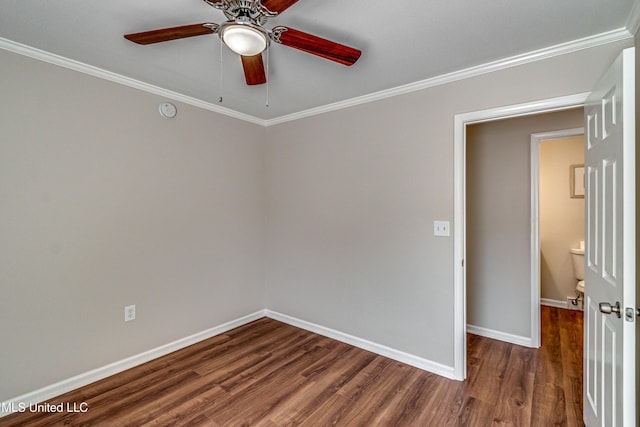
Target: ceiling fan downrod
[234, 9]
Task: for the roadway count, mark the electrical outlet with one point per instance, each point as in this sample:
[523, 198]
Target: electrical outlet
[130, 313]
[441, 228]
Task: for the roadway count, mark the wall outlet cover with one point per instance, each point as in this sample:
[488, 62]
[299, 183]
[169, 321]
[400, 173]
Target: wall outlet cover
[130, 313]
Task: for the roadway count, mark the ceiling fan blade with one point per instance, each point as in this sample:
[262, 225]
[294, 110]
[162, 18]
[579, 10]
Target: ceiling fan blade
[254, 69]
[316, 45]
[278, 5]
[166, 34]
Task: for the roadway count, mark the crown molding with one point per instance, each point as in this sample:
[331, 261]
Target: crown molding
[81, 67]
[501, 64]
[633, 21]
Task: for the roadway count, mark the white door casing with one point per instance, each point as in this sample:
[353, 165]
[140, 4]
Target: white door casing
[461, 123]
[536, 139]
[609, 339]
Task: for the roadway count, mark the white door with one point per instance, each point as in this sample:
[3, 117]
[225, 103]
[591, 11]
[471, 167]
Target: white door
[609, 339]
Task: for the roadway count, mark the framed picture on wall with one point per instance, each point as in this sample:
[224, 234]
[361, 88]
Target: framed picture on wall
[576, 178]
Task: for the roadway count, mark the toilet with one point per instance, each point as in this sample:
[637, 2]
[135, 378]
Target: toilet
[577, 257]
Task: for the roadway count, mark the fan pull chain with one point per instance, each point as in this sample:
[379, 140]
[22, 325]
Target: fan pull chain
[220, 81]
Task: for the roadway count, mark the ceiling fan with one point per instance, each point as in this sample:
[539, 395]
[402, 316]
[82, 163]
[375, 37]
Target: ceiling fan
[243, 32]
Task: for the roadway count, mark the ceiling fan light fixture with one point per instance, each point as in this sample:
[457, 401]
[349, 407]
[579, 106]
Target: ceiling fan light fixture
[244, 39]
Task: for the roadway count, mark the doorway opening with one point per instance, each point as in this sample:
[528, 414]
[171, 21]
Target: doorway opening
[557, 214]
[462, 122]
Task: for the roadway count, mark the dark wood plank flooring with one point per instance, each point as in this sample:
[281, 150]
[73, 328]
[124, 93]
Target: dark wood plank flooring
[270, 374]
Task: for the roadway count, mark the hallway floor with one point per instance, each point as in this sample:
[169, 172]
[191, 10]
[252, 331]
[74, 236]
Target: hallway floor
[522, 386]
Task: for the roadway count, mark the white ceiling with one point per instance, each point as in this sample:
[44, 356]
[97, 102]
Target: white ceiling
[403, 42]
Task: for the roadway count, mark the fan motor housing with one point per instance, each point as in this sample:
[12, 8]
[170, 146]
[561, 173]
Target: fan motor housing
[234, 9]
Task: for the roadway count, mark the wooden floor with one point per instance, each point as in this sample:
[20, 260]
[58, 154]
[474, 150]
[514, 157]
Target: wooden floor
[270, 374]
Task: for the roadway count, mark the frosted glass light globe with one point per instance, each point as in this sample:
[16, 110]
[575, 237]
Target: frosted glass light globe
[244, 40]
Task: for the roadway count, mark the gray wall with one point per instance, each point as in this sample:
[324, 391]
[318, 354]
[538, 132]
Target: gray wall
[499, 219]
[352, 199]
[105, 204]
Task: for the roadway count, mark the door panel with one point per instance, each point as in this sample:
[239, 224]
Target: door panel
[609, 354]
[592, 223]
[609, 220]
[591, 377]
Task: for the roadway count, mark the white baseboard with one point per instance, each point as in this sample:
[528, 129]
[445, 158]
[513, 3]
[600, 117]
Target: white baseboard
[553, 303]
[400, 356]
[500, 336]
[83, 379]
